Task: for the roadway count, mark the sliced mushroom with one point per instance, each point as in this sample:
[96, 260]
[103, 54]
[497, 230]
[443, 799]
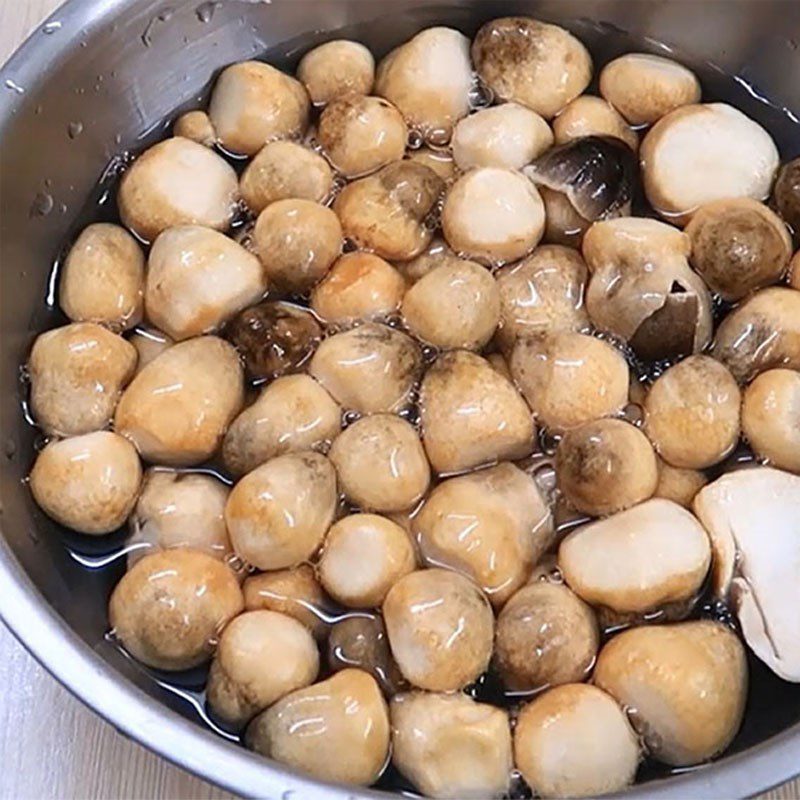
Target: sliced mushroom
[278, 514]
[471, 415]
[771, 417]
[753, 518]
[274, 338]
[563, 225]
[787, 194]
[177, 182]
[361, 134]
[429, 79]
[542, 66]
[293, 413]
[449, 746]
[336, 68]
[605, 466]
[643, 290]
[369, 369]
[177, 409]
[760, 334]
[570, 378]
[334, 730]
[440, 628]
[542, 294]
[592, 116]
[103, 278]
[282, 171]
[253, 103]
[386, 212]
[197, 279]
[687, 156]
[692, 413]
[575, 741]
[738, 246]
[493, 216]
[381, 464]
[546, 636]
[456, 305]
[508, 136]
[685, 684]
[88, 483]
[197, 126]
[491, 525]
[77, 375]
[644, 87]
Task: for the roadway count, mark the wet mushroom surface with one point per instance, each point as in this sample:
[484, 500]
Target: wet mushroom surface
[439, 409]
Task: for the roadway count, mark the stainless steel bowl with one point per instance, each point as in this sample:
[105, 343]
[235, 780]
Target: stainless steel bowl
[99, 78]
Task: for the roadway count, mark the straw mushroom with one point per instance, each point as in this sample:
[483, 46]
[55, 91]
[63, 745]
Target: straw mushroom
[197, 126]
[794, 272]
[278, 514]
[253, 103]
[678, 484]
[541, 66]
[471, 415]
[170, 607]
[592, 116]
[563, 224]
[176, 410]
[645, 87]
[335, 68]
[88, 483]
[436, 254]
[686, 682]
[450, 746]
[786, 193]
[103, 278]
[149, 343]
[440, 628]
[177, 182]
[77, 375]
[440, 161]
[687, 156]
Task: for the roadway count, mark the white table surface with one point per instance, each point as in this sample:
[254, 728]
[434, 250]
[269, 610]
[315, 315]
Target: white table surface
[51, 746]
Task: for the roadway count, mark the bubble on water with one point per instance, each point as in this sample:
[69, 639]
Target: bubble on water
[42, 204]
[74, 129]
[349, 417]
[480, 95]
[415, 139]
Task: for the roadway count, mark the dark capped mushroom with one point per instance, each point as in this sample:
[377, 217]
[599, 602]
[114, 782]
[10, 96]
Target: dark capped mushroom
[787, 194]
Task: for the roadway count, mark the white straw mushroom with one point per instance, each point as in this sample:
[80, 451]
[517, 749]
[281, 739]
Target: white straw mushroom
[336, 68]
[197, 126]
[592, 116]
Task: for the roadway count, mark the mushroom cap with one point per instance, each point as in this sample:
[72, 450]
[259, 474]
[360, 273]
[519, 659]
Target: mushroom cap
[177, 182]
[149, 343]
[493, 215]
[570, 378]
[574, 741]
[440, 627]
[563, 224]
[292, 413]
[794, 271]
[334, 730]
[381, 463]
[738, 245]
[760, 334]
[645, 87]
[450, 746]
[103, 277]
[692, 413]
[605, 466]
[439, 161]
[253, 103]
[771, 417]
[283, 170]
[336, 68]
[786, 193]
[611, 562]
[491, 525]
[169, 608]
[678, 484]
[429, 79]
[369, 369]
[278, 514]
[238, 685]
[543, 293]
[77, 375]
[508, 136]
[455, 305]
[434, 255]
[88, 483]
[197, 126]
[471, 415]
[592, 116]
[699, 153]
[752, 519]
[197, 279]
[546, 636]
[541, 66]
[687, 683]
[178, 407]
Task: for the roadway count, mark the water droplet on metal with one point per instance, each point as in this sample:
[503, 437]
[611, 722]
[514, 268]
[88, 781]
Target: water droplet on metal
[42, 205]
[51, 27]
[62, 208]
[205, 11]
[10, 449]
[15, 87]
[74, 129]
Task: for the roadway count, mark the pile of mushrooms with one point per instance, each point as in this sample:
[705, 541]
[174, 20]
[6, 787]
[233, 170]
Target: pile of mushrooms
[412, 399]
